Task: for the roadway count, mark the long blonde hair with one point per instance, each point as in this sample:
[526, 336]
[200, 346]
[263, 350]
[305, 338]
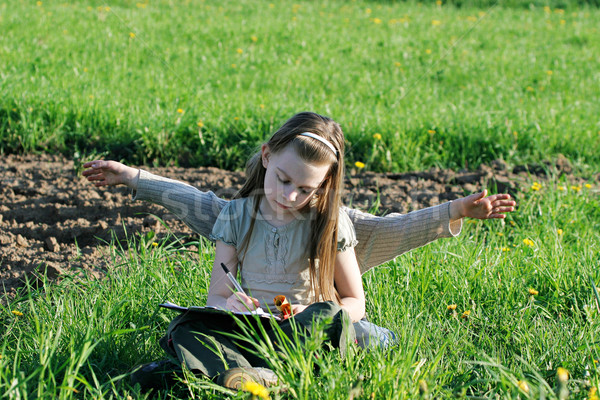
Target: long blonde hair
[327, 201]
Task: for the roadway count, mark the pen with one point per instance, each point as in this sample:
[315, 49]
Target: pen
[232, 279]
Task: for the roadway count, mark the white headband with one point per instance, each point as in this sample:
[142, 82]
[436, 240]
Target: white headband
[320, 139]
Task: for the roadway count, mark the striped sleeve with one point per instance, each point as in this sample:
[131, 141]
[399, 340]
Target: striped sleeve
[381, 239]
[198, 209]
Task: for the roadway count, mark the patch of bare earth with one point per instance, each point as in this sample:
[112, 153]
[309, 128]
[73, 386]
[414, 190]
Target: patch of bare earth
[54, 221]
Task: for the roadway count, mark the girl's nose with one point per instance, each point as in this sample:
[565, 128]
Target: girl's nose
[290, 195]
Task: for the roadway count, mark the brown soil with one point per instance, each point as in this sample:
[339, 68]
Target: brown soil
[53, 220]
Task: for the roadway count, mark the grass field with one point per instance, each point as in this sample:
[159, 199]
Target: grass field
[202, 83]
[523, 292]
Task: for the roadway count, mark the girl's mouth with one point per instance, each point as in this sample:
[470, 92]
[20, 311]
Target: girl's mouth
[282, 206]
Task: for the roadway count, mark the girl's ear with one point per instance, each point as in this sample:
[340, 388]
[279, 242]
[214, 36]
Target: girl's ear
[264, 154]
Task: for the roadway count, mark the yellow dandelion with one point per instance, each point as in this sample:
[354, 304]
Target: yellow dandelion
[547, 9]
[39, 3]
[154, 244]
[262, 106]
[562, 188]
[559, 11]
[588, 186]
[256, 389]
[431, 131]
[481, 14]
[398, 64]
[271, 5]
[131, 35]
[593, 393]
[576, 188]
[200, 124]
[471, 18]
[530, 89]
[451, 307]
[180, 110]
[236, 118]
[359, 165]
[523, 386]
[428, 51]
[562, 375]
[17, 313]
[512, 223]
[377, 136]
[91, 97]
[466, 314]
[559, 232]
[233, 65]
[438, 2]
[376, 20]
[500, 234]
[505, 249]
[368, 11]
[239, 51]
[533, 292]
[528, 242]
[436, 22]
[254, 38]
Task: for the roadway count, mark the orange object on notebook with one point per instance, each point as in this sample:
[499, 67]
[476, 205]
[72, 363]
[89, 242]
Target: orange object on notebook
[283, 305]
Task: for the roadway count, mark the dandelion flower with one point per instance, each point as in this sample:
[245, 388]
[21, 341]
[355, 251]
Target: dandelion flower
[451, 307]
[431, 131]
[512, 223]
[438, 2]
[523, 386]
[428, 51]
[154, 244]
[239, 51]
[368, 11]
[562, 375]
[17, 313]
[528, 242]
[131, 35]
[436, 22]
[233, 66]
[588, 186]
[530, 89]
[200, 124]
[254, 38]
[398, 64]
[180, 110]
[471, 18]
[562, 188]
[262, 106]
[505, 249]
[559, 231]
[576, 188]
[359, 165]
[549, 72]
[533, 292]
[536, 186]
[236, 118]
[377, 136]
[256, 389]
[377, 21]
[466, 314]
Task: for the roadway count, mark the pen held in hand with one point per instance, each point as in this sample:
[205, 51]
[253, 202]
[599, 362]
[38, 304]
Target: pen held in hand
[236, 284]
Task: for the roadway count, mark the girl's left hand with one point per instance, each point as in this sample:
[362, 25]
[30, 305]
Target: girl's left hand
[481, 206]
[298, 308]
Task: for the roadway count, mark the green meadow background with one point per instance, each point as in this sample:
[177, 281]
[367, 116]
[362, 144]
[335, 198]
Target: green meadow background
[491, 314]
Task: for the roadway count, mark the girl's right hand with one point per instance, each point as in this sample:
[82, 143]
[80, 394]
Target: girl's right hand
[110, 173]
[241, 302]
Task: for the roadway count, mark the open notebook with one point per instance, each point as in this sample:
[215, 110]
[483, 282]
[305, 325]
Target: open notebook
[258, 312]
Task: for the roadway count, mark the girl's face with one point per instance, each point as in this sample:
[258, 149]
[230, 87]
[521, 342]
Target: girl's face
[290, 183]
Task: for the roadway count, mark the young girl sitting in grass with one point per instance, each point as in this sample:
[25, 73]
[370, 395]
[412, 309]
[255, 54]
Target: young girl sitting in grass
[287, 235]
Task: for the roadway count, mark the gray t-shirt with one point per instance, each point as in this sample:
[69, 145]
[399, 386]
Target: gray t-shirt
[276, 259]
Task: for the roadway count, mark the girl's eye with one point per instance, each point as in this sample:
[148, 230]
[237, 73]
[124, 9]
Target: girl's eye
[304, 191]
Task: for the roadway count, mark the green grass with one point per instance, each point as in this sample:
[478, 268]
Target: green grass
[444, 85]
[80, 337]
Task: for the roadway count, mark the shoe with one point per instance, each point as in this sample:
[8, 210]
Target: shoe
[156, 375]
[234, 378]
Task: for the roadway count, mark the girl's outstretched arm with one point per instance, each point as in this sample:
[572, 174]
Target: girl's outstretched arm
[220, 293]
[349, 284]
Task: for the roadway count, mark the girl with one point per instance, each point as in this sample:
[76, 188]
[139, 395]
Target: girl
[287, 234]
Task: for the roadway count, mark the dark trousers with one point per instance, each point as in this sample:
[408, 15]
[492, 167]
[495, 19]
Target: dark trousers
[198, 339]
